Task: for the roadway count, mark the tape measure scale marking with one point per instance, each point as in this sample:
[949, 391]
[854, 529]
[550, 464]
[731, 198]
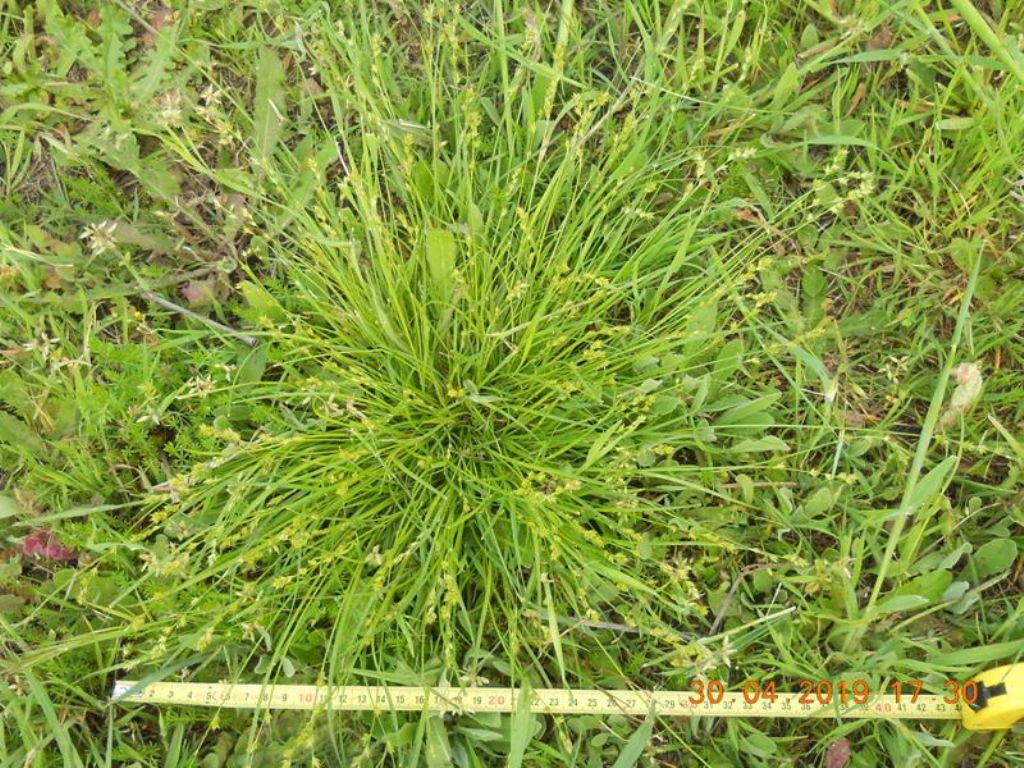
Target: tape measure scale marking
[996, 701]
[506, 700]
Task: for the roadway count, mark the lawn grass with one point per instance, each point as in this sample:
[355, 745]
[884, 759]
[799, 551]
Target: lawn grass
[558, 344]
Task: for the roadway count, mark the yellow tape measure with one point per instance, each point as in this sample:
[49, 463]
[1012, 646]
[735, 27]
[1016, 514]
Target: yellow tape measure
[990, 701]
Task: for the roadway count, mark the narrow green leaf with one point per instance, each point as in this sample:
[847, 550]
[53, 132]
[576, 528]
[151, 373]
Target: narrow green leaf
[664, 404]
[899, 603]
[729, 359]
[955, 591]
[268, 104]
[743, 412]
[634, 748]
[930, 586]
[954, 123]
[701, 327]
[602, 444]
[1014, 444]
[760, 444]
[438, 751]
[1009, 55]
[819, 503]
[931, 485]
[985, 654]
[251, 364]
[441, 251]
[522, 727]
[786, 86]
[260, 300]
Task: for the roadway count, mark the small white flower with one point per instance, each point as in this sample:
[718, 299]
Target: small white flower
[210, 95]
[200, 386]
[100, 237]
[169, 110]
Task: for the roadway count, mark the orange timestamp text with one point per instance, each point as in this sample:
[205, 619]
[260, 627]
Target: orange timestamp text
[825, 692]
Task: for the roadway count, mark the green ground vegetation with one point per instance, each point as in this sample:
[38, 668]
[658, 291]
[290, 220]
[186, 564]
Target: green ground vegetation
[596, 344]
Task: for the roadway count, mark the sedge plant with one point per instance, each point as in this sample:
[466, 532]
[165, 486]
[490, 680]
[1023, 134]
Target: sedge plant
[493, 375]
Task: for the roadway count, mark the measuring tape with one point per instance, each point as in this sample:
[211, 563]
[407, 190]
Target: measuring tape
[996, 701]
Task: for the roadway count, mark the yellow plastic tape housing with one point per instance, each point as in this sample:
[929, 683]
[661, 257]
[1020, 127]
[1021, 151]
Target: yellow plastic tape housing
[998, 701]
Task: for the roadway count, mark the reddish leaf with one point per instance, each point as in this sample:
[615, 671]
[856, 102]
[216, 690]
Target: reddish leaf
[160, 18]
[838, 754]
[45, 544]
[199, 293]
[881, 40]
